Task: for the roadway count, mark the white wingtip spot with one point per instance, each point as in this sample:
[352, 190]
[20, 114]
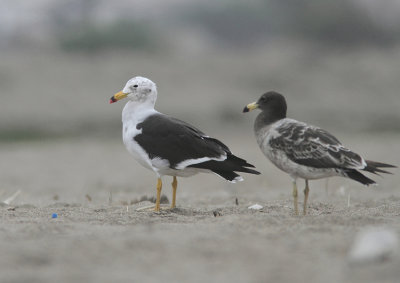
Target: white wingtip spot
[237, 179]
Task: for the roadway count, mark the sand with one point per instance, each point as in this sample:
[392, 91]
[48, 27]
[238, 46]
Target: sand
[95, 187]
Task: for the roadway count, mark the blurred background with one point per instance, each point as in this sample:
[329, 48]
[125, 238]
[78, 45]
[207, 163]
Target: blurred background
[61, 151]
[337, 63]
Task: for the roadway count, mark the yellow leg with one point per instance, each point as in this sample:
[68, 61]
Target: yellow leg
[174, 186]
[296, 209]
[306, 191]
[159, 187]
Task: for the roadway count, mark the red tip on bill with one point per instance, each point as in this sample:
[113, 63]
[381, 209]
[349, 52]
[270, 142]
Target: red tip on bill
[112, 100]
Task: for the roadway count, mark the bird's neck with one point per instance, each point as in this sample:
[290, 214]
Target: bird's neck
[137, 111]
[266, 118]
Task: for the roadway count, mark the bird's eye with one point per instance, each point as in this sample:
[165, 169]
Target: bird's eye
[135, 86]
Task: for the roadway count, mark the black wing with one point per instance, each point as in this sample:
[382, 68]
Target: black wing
[174, 140]
[311, 146]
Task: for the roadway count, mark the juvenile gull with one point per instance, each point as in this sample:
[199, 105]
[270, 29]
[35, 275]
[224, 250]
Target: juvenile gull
[169, 146]
[305, 151]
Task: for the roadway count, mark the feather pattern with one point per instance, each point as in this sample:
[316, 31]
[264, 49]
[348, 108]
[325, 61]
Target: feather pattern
[312, 146]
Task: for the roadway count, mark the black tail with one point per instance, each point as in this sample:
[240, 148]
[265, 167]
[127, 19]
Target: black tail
[228, 175]
[226, 169]
[357, 176]
[374, 167]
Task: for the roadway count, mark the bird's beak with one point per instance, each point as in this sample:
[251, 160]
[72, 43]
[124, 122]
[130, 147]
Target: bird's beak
[250, 107]
[118, 96]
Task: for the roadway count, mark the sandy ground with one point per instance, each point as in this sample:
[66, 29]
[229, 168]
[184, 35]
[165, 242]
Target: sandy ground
[207, 238]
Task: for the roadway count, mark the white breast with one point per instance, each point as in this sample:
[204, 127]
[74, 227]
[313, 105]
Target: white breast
[131, 117]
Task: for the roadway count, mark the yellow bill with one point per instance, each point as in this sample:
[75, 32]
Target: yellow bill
[250, 107]
[118, 96]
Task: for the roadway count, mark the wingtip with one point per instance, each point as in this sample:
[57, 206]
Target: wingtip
[251, 171]
[380, 164]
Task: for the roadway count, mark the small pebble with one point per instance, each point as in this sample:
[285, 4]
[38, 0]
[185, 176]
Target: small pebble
[255, 207]
[217, 213]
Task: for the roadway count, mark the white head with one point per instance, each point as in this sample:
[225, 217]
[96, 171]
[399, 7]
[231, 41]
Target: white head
[139, 90]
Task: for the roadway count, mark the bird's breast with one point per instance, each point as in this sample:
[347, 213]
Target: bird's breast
[129, 132]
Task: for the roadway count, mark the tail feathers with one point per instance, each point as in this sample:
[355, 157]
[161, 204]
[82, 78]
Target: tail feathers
[227, 168]
[357, 176]
[239, 161]
[248, 170]
[374, 167]
[238, 164]
[228, 175]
